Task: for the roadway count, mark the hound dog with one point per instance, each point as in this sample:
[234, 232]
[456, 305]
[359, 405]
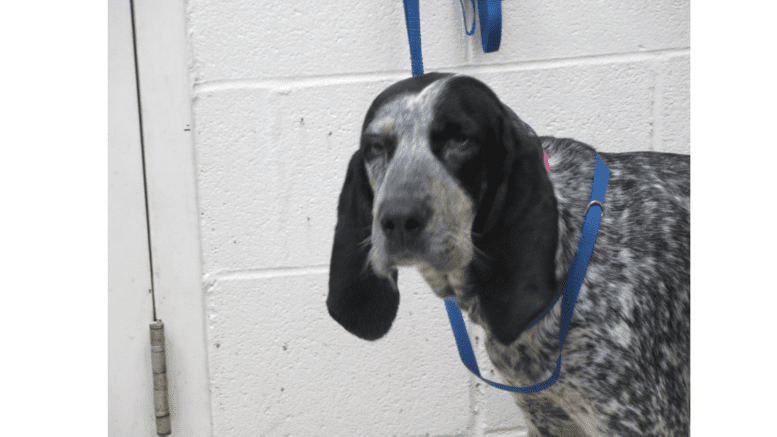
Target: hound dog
[449, 180]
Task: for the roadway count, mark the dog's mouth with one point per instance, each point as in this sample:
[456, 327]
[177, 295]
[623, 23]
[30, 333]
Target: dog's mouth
[444, 258]
[407, 260]
[395, 259]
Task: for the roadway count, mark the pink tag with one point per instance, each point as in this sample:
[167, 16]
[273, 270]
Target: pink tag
[547, 164]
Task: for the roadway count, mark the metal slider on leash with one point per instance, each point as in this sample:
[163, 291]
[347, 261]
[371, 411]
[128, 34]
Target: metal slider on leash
[159, 370]
[592, 203]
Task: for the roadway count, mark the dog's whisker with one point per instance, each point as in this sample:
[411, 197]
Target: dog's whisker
[478, 255]
[366, 242]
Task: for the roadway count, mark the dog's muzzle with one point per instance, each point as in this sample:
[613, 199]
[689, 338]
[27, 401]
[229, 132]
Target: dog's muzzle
[402, 221]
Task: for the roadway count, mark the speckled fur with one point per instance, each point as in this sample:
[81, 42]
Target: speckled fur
[626, 361]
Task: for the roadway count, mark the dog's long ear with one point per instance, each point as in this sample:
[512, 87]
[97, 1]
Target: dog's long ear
[360, 301]
[519, 234]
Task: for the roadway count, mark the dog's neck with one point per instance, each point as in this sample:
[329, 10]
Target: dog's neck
[571, 199]
[571, 175]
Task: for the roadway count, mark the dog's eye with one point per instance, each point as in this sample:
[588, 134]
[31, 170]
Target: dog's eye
[374, 147]
[460, 144]
[459, 140]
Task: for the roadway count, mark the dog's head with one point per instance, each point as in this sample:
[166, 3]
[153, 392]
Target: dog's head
[449, 180]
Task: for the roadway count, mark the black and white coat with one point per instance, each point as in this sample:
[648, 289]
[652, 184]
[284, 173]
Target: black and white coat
[449, 180]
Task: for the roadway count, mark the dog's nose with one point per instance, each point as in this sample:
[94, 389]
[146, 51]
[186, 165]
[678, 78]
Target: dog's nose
[402, 220]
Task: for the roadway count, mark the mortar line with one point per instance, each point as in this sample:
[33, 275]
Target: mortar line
[265, 273]
[286, 84]
[586, 60]
[511, 432]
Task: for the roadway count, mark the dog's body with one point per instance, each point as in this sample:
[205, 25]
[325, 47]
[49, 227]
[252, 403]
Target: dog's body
[451, 181]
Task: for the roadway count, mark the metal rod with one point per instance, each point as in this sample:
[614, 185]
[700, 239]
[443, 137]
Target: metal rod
[159, 372]
[143, 156]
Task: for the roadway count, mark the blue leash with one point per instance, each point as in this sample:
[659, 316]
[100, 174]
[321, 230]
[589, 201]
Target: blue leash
[413, 22]
[490, 32]
[489, 11]
[569, 288]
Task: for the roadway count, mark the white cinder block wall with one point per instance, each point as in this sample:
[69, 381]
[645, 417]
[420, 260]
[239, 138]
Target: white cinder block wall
[279, 93]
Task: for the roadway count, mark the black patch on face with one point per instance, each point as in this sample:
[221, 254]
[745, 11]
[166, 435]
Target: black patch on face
[468, 109]
[516, 209]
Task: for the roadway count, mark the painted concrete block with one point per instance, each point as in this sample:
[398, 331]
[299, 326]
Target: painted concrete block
[233, 131]
[538, 29]
[271, 166]
[674, 118]
[280, 365]
[607, 105]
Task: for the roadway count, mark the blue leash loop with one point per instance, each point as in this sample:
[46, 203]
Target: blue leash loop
[569, 287]
[464, 15]
[489, 11]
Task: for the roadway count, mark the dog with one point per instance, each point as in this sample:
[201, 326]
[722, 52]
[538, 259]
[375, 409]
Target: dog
[449, 180]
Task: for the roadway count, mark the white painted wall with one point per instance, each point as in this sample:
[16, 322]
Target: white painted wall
[279, 90]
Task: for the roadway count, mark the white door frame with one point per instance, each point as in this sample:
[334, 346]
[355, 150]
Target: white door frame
[165, 100]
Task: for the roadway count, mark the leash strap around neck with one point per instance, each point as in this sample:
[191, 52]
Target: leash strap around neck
[569, 288]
